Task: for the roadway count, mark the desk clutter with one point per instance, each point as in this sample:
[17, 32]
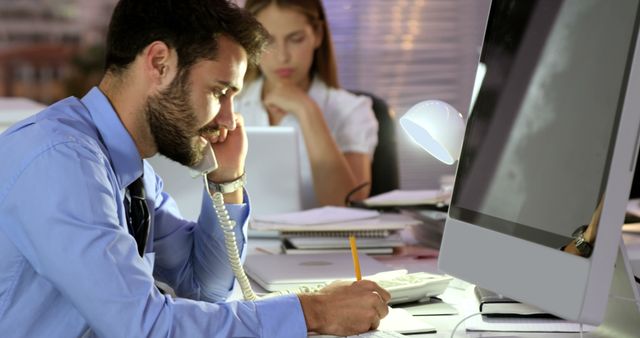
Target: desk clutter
[309, 272]
[326, 230]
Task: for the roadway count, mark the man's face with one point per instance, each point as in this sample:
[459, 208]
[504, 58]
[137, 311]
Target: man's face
[196, 103]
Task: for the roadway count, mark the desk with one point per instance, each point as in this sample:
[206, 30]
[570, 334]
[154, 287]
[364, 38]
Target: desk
[459, 294]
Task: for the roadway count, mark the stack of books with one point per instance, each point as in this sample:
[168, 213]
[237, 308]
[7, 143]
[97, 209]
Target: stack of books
[340, 243]
[326, 229]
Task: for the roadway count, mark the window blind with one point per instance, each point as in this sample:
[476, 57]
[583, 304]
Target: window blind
[406, 51]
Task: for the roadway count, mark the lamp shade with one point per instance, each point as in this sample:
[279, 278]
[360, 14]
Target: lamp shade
[437, 127]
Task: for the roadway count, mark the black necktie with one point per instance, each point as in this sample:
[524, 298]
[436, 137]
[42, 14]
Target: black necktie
[137, 213]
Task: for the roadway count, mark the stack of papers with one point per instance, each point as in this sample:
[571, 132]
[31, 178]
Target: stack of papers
[333, 219]
[324, 230]
[325, 244]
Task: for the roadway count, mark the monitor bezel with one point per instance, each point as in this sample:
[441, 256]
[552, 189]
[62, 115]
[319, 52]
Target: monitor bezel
[568, 286]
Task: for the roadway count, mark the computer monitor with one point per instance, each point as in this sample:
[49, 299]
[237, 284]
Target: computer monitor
[553, 132]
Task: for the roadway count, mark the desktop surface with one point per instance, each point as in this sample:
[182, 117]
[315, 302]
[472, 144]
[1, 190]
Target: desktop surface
[459, 294]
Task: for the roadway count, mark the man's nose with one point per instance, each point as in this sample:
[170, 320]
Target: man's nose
[226, 114]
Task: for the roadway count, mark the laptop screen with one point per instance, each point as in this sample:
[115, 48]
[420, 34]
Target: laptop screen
[273, 170]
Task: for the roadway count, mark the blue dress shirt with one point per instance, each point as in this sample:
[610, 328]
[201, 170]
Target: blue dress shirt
[69, 267]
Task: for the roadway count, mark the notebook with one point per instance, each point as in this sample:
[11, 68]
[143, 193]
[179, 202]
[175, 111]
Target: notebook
[282, 272]
[273, 170]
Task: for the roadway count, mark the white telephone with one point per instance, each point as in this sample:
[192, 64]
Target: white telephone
[207, 165]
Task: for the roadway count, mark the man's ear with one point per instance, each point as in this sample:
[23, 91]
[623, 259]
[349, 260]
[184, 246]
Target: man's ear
[160, 62]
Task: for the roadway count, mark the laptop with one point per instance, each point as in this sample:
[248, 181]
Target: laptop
[273, 170]
[282, 272]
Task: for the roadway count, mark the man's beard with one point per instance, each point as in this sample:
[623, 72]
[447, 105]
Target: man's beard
[173, 122]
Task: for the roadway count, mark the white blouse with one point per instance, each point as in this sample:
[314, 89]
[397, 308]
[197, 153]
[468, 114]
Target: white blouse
[350, 119]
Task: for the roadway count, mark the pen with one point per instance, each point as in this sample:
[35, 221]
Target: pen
[354, 254]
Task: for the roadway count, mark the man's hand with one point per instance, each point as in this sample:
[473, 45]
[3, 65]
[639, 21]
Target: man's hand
[345, 308]
[230, 148]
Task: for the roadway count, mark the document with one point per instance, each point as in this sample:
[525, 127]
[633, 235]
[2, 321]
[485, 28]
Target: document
[399, 320]
[371, 222]
[324, 215]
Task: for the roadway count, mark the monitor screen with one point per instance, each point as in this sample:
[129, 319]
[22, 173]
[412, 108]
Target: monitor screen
[548, 109]
[543, 141]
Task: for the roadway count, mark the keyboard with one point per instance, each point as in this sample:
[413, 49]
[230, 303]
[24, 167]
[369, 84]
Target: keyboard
[402, 286]
[410, 287]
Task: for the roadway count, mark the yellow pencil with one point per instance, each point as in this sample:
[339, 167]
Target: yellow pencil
[354, 254]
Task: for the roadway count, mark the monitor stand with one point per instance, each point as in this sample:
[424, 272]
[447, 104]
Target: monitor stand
[622, 318]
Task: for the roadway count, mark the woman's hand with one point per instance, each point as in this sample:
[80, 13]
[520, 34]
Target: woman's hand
[288, 99]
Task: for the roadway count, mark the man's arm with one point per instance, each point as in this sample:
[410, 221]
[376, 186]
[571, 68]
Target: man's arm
[77, 242]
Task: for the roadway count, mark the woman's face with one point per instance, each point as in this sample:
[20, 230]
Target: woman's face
[290, 52]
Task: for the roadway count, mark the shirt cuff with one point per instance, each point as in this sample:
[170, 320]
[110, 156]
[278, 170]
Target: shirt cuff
[237, 212]
[281, 316]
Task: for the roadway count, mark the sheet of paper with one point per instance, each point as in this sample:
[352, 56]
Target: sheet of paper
[382, 222]
[407, 197]
[516, 324]
[400, 320]
[428, 307]
[324, 215]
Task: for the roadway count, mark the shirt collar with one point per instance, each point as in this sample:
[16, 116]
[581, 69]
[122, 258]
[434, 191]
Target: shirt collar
[123, 153]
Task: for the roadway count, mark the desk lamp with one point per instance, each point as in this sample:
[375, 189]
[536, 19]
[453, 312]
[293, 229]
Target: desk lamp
[437, 127]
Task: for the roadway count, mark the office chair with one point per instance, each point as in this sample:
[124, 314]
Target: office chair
[384, 166]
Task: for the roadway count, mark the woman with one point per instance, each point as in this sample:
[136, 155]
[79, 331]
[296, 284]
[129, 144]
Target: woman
[297, 85]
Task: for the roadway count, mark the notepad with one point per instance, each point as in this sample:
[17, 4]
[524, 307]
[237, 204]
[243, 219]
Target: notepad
[400, 320]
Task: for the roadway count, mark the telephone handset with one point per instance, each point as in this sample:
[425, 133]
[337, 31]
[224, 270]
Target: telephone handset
[208, 163]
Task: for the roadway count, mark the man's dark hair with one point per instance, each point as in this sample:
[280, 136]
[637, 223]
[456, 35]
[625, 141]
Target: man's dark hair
[191, 27]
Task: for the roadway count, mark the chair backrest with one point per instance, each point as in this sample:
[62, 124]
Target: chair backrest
[384, 167]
